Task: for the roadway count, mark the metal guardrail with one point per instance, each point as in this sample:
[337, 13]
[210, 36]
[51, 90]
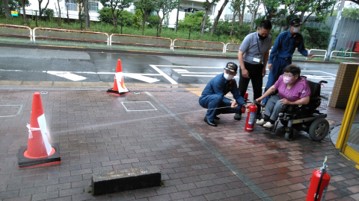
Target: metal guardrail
[54, 34]
[197, 45]
[16, 31]
[150, 41]
[69, 35]
[344, 55]
[318, 53]
[231, 47]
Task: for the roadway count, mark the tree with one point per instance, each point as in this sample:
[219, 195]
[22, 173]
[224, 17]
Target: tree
[220, 11]
[305, 8]
[237, 7]
[145, 7]
[163, 8]
[117, 7]
[86, 13]
[192, 22]
[42, 9]
[59, 12]
[207, 7]
[352, 13]
[253, 9]
[81, 12]
[67, 3]
[6, 9]
[271, 8]
[23, 4]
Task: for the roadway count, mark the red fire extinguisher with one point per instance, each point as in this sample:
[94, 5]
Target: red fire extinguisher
[318, 183]
[245, 97]
[251, 117]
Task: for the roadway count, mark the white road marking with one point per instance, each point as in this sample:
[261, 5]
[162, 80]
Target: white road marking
[172, 81]
[174, 66]
[136, 76]
[319, 71]
[141, 77]
[67, 75]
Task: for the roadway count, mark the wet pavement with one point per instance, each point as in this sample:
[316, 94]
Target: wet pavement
[158, 126]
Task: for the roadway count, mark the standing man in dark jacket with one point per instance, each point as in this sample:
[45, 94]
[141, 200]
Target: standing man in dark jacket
[213, 96]
[282, 51]
[253, 56]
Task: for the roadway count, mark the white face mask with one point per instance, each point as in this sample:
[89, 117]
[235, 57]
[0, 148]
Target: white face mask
[228, 76]
[287, 79]
[296, 29]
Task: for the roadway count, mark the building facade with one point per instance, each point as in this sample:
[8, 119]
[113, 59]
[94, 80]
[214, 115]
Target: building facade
[71, 8]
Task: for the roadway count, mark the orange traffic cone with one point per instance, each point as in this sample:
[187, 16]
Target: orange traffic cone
[39, 151]
[119, 87]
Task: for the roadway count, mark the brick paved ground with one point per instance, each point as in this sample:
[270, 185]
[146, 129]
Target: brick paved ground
[197, 162]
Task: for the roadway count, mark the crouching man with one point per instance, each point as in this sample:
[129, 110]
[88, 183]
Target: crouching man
[213, 96]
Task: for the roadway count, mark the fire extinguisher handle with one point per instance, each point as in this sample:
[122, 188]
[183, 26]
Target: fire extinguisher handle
[258, 103]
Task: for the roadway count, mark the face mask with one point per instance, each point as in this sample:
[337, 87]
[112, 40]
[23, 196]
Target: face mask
[287, 79]
[262, 37]
[296, 29]
[228, 76]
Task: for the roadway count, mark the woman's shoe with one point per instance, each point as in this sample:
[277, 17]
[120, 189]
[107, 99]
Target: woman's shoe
[268, 125]
[260, 122]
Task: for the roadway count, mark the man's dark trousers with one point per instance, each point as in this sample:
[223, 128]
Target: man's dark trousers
[255, 76]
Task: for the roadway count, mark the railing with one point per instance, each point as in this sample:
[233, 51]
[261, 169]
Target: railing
[231, 47]
[70, 35]
[16, 31]
[134, 40]
[197, 45]
[318, 53]
[53, 34]
[344, 55]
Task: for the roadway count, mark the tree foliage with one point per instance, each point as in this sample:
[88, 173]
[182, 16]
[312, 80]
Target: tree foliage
[207, 5]
[220, 11]
[163, 8]
[351, 13]
[146, 7]
[116, 8]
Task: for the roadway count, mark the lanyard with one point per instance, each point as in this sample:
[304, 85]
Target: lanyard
[259, 50]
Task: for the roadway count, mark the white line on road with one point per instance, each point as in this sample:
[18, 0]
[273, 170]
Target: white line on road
[67, 75]
[172, 81]
[174, 66]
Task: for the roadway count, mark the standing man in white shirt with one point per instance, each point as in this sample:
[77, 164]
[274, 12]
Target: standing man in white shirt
[253, 56]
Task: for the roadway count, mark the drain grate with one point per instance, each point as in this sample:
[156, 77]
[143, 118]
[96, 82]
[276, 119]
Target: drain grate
[10, 110]
[132, 106]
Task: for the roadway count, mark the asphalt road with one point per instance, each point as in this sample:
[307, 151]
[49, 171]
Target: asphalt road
[26, 64]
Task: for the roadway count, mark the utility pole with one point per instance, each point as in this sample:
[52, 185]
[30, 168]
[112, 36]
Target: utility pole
[333, 36]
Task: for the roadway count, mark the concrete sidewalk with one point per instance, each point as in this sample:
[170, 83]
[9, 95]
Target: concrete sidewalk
[160, 126]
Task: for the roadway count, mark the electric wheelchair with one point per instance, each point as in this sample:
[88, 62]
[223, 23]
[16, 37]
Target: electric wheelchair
[304, 118]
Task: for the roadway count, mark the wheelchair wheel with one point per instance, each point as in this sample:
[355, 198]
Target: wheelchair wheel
[319, 129]
[289, 135]
[279, 131]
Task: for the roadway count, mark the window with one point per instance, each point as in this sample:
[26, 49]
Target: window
[93, 5]
[71, 5]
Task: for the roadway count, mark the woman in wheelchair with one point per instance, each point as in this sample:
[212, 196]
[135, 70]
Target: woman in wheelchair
[291, 88]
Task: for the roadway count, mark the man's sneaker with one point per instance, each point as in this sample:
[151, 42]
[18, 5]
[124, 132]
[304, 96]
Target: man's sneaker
[237, 116]
[268, 125]
[260, 122]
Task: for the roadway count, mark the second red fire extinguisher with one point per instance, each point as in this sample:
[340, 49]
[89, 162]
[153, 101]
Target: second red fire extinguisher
[318, 183]
[251, 117]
